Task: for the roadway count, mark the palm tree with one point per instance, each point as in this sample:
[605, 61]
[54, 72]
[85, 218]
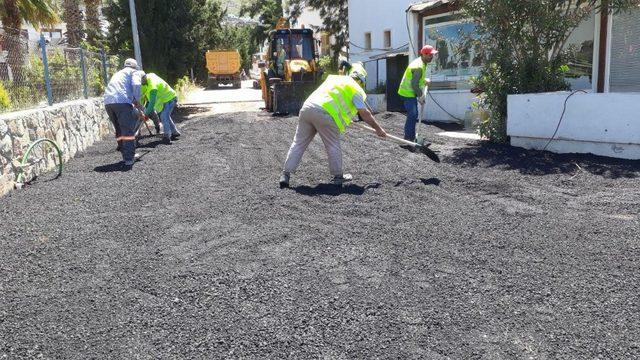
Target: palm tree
[35, 12]
[94, 28]
[12, 14]
[72, 16]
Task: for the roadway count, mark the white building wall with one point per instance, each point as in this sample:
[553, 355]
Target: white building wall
[381, 15]
[378, 16]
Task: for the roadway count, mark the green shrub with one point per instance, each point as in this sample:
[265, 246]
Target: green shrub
[524, 49]
[183, 87]
[328, 66]
[380, 89]
[5, 101]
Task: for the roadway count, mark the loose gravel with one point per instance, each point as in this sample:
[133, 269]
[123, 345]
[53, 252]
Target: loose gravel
[197, 254]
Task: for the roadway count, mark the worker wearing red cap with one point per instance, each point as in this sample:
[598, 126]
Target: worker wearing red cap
[411, 89]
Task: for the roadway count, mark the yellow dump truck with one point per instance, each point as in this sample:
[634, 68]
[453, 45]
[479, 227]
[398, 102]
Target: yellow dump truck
[224, 68]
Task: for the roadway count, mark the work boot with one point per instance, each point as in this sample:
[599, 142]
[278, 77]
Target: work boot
[284, 180]
[166, 140]
[341, 179]
[175, 136]
[136, 157]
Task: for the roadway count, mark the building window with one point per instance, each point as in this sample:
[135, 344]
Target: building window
[624, 74]
[459, 56]
[367, 41]
[387, 39]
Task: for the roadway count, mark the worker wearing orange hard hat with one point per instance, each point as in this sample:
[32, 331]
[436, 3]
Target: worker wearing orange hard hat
[411, 89]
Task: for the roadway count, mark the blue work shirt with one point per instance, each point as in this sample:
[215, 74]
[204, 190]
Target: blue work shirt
[124, 87]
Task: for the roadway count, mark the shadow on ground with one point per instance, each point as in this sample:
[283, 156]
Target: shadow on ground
[445, 126]
[534, 162]
[115, 167]
[182, 113]
[334, 190]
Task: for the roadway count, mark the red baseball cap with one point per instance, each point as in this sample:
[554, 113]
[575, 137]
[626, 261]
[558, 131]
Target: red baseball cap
[428, 50]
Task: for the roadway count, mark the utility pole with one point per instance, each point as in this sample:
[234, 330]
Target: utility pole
[134, 31]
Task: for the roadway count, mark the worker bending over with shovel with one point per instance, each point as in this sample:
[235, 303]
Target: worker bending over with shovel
[328, 111]
[120, 97]
[160, 97]
[411, 89]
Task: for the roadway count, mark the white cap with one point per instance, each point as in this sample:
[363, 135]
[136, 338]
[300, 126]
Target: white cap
[356, 75]
[132, 63]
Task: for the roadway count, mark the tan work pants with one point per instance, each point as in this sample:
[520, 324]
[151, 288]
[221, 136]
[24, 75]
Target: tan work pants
[314, 121]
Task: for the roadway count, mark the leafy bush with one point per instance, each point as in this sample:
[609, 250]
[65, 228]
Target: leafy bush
[380, 89]
[524, 49]
[183, 87]
[5, 101]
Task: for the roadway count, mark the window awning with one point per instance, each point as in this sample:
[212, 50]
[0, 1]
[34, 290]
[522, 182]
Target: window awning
[426, 5]
[392, 53]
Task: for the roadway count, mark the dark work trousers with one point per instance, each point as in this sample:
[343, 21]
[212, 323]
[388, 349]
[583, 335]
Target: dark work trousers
[125, 122]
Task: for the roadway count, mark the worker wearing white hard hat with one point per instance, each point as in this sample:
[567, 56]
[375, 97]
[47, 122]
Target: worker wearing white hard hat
[328, 112]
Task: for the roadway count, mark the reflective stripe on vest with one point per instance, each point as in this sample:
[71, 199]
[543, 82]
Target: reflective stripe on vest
[338, 99]
[406, 89]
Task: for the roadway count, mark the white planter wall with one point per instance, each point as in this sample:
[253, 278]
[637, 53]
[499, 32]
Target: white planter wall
[601, 124]
[455, 102]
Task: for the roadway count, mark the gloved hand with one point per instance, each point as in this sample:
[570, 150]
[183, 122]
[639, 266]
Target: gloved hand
[422, 100]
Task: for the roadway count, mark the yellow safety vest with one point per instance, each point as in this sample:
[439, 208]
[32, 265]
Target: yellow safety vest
[406, 89]
[165, 92]
[335, 95]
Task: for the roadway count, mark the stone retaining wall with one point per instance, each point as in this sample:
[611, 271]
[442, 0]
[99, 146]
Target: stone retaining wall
[74, 126]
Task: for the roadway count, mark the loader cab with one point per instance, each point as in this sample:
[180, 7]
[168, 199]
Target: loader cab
[290, 44]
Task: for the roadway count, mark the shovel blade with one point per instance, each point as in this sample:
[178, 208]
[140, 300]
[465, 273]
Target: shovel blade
[430, 153]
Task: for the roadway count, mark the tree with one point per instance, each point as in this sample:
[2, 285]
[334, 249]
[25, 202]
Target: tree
[335, 19]
[166, 37]
[13, 13]
[267, 12]
[93, 25]
[524, 47]
[35, 12]
[72, 16]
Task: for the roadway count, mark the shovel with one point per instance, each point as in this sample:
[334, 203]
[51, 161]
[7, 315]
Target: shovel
[420, 147]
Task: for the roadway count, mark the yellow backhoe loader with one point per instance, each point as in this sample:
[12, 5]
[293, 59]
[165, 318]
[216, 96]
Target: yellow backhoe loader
[291, 72]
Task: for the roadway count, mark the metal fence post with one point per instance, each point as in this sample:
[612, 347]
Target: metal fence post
[83, 64]
[45, 62]
[104, 67]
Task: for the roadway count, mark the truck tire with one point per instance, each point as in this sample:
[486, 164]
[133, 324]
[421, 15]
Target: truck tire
[212, 84]
[237, 84]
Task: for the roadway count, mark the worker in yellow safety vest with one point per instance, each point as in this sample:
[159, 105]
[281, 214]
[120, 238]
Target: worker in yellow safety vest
[412, 88]
[161, 98]
[328, 111]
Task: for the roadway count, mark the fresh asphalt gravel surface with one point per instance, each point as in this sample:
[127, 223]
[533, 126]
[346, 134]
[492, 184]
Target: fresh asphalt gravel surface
[496, 253]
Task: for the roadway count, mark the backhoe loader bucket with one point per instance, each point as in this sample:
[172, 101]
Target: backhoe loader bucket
[288, 97]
